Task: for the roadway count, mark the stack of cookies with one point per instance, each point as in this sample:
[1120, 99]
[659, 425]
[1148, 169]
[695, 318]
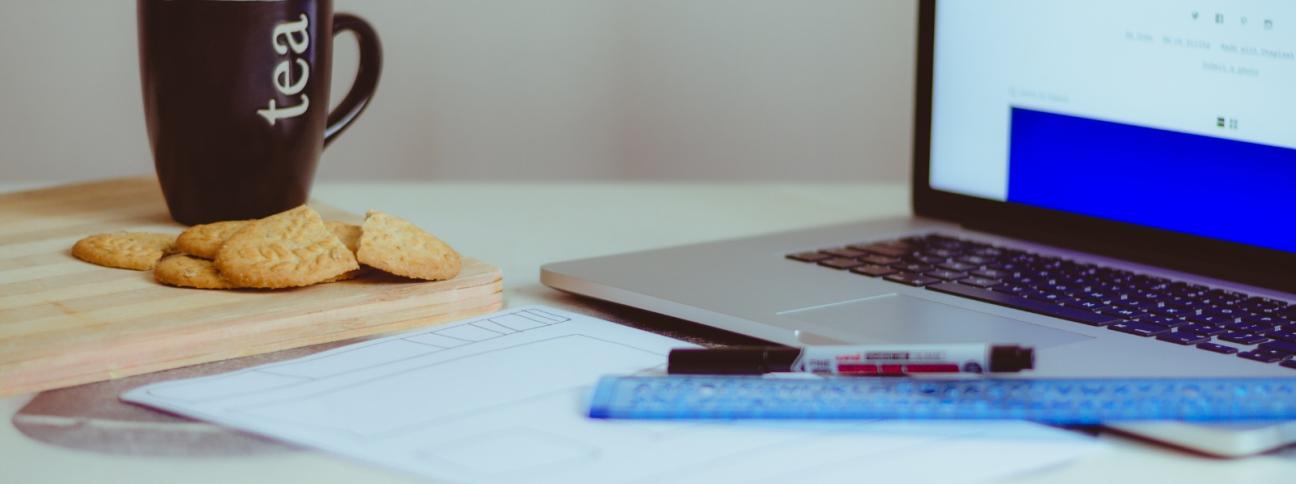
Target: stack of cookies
[290, 249]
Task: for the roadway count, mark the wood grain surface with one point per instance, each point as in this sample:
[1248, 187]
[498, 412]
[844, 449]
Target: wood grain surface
[65, 322]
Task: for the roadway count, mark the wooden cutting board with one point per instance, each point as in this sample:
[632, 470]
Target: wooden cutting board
[65, 322]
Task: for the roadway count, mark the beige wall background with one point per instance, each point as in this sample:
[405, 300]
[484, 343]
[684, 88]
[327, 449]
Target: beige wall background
[520, 89]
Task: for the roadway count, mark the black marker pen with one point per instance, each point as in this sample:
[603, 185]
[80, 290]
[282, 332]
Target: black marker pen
[854, 359]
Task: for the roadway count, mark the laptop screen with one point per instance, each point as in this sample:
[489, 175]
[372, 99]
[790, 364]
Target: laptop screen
[1162, 113]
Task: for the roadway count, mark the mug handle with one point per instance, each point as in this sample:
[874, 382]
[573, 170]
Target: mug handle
[362, 90]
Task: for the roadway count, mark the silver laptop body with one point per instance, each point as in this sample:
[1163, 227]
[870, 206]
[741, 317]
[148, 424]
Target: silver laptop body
[750, 286]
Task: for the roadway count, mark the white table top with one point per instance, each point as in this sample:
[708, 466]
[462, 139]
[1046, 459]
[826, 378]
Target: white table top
[522, 226]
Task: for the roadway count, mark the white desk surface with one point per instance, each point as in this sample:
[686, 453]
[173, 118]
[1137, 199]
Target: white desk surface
[520, 227]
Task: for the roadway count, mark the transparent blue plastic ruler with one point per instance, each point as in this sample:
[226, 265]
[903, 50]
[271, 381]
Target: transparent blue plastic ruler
[1058, 401]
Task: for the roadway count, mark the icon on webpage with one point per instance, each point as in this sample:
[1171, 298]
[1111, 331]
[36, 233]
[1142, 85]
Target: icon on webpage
[1219, 18]
[1268, 23]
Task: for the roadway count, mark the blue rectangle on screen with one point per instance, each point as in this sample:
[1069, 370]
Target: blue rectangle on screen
[1201, 185]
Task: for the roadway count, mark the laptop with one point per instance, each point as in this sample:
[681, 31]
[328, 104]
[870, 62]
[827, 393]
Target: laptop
[1110, 182]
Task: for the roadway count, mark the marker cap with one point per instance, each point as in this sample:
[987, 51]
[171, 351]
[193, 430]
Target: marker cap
[731, 361]
[1007, 359]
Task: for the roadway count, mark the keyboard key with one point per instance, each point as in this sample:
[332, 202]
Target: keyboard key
[1218, 348]
[1119, 313]
[1262, 320]
[809, 256]
[947, 275]
[1273, 310]
[1138, 329]
[1069, 302]
[1099, 296]
[1017, 302]
[1284, 335]
[874, 271]
[1243, 338]
[1213, 319]
[1008, 288]
[845, 253]
[1227, 295]
[1183, 338]
[1163, 315]
[1279, 346]
[1138, 304]
[957, 266]
[979, 282]
[1226, 312]
[840, 263]
[1255, 305]
[990, 273]
[912, 279]
[926, 259]
[879, 260]
[913, 267]
[1247, 328]
[1159, 321]
[883, 249]
[1289, 364]
[1088, 304]
[976, 260]
[1040, 295]
[1264, 356]
[1202, 329]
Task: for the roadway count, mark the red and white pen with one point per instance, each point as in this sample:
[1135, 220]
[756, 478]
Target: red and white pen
[861, 360]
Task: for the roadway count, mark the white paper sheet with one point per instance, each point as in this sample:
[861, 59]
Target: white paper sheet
[501, 398]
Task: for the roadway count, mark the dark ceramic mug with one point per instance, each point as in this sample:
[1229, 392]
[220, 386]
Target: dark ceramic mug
[236, 98]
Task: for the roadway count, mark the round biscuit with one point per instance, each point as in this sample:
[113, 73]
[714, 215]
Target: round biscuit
[206, 240]
[124, 250]
[393, 245]
[289, 249]
[183, 270]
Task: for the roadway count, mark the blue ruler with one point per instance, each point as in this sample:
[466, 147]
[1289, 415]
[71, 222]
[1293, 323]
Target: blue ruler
[1058, 401]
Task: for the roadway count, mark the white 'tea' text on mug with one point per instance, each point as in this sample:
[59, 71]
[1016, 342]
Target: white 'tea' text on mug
[287, 80]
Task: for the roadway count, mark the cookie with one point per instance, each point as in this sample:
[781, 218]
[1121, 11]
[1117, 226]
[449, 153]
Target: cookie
[205, 240]
[391, 244]
[188, 271]
[349, 234]
[124, 250]
[288, 249]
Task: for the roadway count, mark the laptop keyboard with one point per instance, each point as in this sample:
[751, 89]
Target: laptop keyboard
[1175, 312]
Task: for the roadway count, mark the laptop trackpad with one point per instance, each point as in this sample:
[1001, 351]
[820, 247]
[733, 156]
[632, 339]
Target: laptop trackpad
[896, 318]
